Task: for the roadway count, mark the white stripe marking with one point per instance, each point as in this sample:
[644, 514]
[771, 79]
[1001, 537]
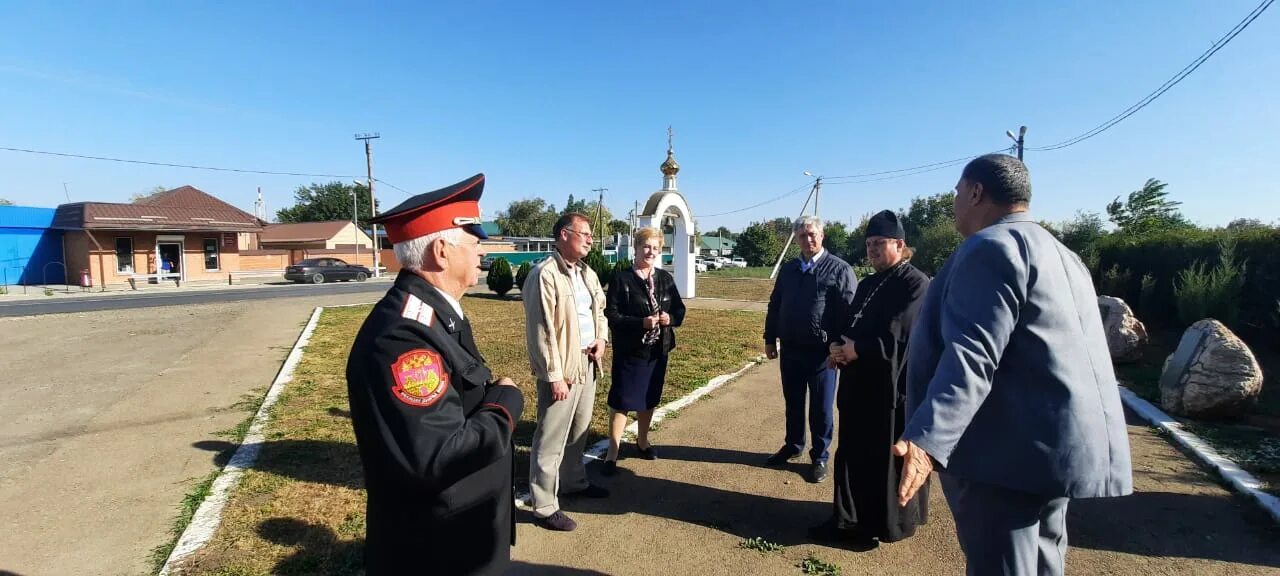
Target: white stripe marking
[1242, 481]
[209, 514]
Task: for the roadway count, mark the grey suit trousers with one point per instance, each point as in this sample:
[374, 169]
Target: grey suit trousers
[555, 460]
[1007, 532]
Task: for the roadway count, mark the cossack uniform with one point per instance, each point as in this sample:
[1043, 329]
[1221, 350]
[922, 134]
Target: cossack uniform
[434, 432]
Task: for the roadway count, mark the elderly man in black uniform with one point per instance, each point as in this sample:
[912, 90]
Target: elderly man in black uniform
[433, 426]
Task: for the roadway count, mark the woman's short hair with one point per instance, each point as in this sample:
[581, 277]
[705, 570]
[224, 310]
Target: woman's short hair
[644, 235]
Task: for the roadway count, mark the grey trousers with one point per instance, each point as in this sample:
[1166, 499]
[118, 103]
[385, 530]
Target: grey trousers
[1007, 532]
[555, 462]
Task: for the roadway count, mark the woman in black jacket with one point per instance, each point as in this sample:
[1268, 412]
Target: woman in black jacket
[643, 308]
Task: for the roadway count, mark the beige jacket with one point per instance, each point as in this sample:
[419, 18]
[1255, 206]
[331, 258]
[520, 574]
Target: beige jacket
[551, 320]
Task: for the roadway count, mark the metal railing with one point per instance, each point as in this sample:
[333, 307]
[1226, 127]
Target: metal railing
[45, 274]
[4, 273]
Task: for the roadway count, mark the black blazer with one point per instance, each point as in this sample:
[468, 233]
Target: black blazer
[627, 305]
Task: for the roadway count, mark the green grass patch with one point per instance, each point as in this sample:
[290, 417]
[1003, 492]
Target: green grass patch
[813, 565]
[186, 510]
[759, 544]
[750, 289]
[749, 272]
[301, 509]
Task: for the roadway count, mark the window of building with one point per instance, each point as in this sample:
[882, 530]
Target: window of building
[210, 254]
[124, 255]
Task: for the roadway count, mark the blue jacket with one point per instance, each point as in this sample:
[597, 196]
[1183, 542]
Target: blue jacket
[808, 309]
[1009, 380]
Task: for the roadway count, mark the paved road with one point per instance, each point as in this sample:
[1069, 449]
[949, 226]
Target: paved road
[109, 417]
[179, 297]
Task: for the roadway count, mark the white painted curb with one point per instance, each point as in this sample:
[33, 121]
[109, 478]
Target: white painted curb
[598, 450]
[1242, 481]
[209, 514]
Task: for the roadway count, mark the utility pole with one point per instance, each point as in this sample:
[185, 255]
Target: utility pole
[1020, 140]
[599, 208]
[813, 195]
[373, 204]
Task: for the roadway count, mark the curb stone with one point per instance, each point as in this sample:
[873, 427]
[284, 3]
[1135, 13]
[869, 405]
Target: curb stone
[1243, 482]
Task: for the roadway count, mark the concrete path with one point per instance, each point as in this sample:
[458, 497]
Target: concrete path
[110, 417]
[687, 512]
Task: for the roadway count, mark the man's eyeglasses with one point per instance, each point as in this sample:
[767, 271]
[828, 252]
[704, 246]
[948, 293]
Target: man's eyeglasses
[586, 235]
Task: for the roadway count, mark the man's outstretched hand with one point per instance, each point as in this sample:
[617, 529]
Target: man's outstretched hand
[916, 467]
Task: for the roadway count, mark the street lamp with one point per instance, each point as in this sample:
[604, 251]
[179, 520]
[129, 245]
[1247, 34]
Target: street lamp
[1019, 140]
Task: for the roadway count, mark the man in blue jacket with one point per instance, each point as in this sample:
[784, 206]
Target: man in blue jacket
[1010, 389]
[806, 308]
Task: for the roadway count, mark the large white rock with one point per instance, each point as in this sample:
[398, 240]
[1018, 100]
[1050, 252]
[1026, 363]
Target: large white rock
[1125, 333]
[1212, 374]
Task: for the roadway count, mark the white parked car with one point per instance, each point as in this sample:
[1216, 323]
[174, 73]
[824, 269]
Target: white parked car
[738, 262]
[699, 265]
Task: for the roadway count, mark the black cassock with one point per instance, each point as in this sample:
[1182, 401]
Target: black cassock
[872, 400]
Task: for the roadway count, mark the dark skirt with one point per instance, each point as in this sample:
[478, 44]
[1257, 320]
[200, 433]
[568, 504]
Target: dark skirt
[637, 382]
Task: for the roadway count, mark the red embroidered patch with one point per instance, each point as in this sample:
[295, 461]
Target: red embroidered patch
[421, 379]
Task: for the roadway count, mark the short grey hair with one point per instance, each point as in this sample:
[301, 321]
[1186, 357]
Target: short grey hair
[807, 222]
[411, 252]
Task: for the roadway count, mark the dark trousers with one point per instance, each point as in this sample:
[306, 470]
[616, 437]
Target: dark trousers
[804, 371]
[1007, 532]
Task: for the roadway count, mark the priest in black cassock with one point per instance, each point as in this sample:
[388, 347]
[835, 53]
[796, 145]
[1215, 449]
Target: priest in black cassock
[872, 357]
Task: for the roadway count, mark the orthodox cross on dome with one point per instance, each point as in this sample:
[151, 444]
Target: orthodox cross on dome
[670, 167]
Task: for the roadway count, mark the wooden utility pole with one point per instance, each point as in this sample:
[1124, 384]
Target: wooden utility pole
[599, 209]
[373, 205]
[813, 195]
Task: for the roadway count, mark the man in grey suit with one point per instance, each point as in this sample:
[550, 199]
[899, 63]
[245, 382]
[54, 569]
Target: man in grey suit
[1010, 389]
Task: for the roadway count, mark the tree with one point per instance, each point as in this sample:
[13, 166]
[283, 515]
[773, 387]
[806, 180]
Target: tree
[856, 244]
[528, 217]
[331, 201]
[937, 242]
[1245, 224]
[927, 212]
[500, 280]
[722, 232]
[149, 193]
[618, 227]
[835, 239]
[1082, 234]
[758, 244]
[1147, 211]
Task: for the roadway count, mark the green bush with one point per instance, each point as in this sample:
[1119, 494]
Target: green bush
[500, 280]
[603, 269]
[1164, 256]
[619, 267]
[1202, 293]
[521, 274]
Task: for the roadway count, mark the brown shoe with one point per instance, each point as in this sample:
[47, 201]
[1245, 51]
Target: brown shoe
[559, 522]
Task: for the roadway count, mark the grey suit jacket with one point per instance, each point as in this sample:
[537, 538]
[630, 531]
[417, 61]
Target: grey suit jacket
[1009, 380]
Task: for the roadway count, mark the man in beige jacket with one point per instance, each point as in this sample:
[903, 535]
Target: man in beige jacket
[565, 331]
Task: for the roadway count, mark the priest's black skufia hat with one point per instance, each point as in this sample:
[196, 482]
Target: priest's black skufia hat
[456, 206]
[885, 223]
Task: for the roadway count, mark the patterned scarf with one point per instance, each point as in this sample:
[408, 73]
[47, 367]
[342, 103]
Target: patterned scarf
[651, 336]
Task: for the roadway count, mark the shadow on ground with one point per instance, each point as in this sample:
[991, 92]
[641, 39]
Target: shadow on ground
[1162, 524]
[319, 551]
[319, 461]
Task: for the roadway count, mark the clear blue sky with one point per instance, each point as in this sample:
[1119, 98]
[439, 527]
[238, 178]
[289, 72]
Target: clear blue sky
[556, 98]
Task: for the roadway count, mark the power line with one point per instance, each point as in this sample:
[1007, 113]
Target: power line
[771, 200]
[170, 165]
[1169, 84]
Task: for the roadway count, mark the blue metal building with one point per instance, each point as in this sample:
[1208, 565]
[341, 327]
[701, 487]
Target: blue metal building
[30, 250]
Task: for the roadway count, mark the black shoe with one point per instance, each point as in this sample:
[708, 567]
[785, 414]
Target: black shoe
[782, 456]
[591, 491]
[829, 532]
[559, 522]
[649, 453]
[610, 468]
[818, 472]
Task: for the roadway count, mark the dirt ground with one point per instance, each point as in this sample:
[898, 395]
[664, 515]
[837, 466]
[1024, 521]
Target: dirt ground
[110, 417]
[687, 512]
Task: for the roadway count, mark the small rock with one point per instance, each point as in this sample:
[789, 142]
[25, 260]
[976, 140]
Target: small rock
[1125, 333]
[1212, 374]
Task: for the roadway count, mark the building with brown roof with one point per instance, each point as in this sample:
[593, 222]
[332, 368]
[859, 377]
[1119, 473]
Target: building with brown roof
[329, 235]
[183, 232]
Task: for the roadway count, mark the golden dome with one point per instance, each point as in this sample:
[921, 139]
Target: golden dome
[670, 167]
